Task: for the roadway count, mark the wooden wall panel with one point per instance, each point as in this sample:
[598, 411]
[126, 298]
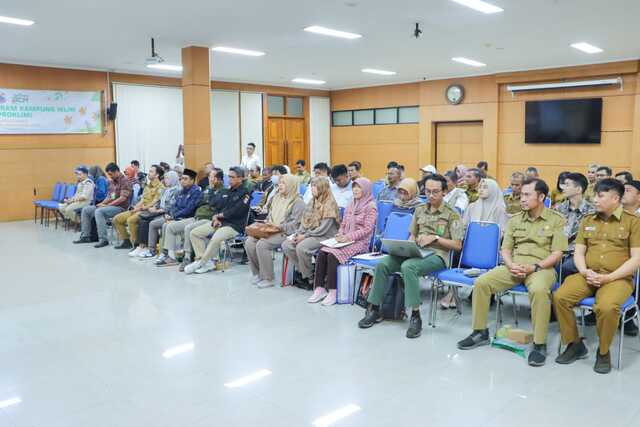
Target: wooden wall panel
[376, 97]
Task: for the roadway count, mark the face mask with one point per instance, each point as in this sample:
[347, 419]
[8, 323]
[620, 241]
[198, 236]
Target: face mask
[275, 179]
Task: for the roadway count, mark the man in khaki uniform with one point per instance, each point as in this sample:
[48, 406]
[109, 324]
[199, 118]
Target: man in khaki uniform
[512, 201]
[533, 244]
[591, 177]
[607, 255]
[472, 181]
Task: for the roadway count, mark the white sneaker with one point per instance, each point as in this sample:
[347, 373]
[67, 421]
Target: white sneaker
[265, 284]
[160, 258]
[146, 254]
[135, 252]
[206, 267]
[318, 295]
[191, 268]
[255, 280]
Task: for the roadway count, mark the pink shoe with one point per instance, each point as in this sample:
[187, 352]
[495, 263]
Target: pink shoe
[318, 295]
[331, 298]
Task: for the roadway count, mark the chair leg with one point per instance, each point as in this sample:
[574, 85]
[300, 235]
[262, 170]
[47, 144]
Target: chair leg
[622, 320]
[515, 308]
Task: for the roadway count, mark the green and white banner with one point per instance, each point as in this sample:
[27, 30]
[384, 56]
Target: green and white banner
[49, 112]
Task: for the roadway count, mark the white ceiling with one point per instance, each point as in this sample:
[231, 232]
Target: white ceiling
[114, 35]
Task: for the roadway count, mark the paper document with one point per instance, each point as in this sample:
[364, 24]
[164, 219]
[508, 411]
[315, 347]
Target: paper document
[333, 243]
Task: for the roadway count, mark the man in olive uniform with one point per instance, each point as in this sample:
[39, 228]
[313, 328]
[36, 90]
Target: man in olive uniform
[472, 181]
[591, 177]
[512, 201]
[435, 226]
[607, 255]
[533, 244]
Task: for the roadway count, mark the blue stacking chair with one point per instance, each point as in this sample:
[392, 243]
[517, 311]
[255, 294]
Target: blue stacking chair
[47, 206]
[547, 202]
[384, 209]
[56, 196]
[377, 188]
[256, 196]
[302, 189]
[507, 191]
[70, 191]
[479, 250]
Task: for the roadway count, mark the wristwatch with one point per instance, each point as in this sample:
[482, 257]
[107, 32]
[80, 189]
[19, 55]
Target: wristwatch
[536, 267]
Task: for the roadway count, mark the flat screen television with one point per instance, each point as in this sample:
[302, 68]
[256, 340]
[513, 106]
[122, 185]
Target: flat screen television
[572, 121]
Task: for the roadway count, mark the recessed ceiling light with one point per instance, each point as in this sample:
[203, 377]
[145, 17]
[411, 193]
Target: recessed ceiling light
[468, 61]
[16, 21]
[481, 6]
[333, 417]
[10, 402]
[586, 47]
[248, 379]
[179, 349]
[166, 67]
[381, 72]
[237, 51]
[334, 33]
[308, 81]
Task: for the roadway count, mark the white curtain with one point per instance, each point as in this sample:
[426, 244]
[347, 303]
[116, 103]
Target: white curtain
[319, 130]
[148, 124]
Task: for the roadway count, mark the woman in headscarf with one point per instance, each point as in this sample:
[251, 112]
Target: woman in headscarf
[357, 226]
[406, 202]
[319, 222]
[284, 211]
[151, 223]
[489, 207]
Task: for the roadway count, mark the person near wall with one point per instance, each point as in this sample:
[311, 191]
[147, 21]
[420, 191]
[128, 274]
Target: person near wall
[319, 222]
[151, 222]
[97, 175]
[390, 191]
[425, 172]
[557, 194]
[624, 177]
[436, 227]
[532, 173]
[301, 172]
[456, 197]
[472, 179]
[533, 244]
[354, 169]
[607, 256]
[117, 200]
[512, 200]
[358, 225]
[284, 213]
[203, 175]
[483, 166]
[320, 170]
[631, 198]
[83, 196]
[591, 177]
[131, 218]
[185, 206]
[488, 208]
[341, 186]
[231, 220]
[251, 159]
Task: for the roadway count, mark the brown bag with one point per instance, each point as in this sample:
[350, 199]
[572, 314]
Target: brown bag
[261, 230]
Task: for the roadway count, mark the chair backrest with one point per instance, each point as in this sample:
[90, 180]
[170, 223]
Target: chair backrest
[71, 191]
[397, 227]
[507, 191]
[135, 194]
[302, 189]
[377, 188]
[547, 202]
[424, 199]
[341, 212]
[384, 209]
[225, 180]
[58, 192]
[480, 246]
[256, 196]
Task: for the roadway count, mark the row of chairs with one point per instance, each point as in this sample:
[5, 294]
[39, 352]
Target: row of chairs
[60, 192]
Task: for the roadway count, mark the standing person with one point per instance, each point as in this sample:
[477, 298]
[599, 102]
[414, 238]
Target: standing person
[301, 172]
[557, 194]
[82, 198]
[354, 170]
[358, 226]
[284, 212]
[131, 218]
[390, 191]
[455, 196]
[251, 159]
[574, 208]
[591, 177]
[97, 175]
[319, 222]
[341, 186]
[117, 200]
[472, 180]
[533, 244]
[607, 255]
[435, 226]
[512, 200]
[227, 224]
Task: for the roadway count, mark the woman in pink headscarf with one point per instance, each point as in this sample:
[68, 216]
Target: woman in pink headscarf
[358, 225]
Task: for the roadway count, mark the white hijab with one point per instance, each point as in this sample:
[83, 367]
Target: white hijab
[491, 209]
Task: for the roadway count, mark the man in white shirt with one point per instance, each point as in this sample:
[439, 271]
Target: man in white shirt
[320, 170]
[251, 159]
[341, 187]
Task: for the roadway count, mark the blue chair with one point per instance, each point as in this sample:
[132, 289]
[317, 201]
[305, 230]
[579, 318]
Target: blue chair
[547, 202]
[479, 250]
[256, 196]
[384, 209]
[70, 191]
[56, 195]
[397, 228]
[341, 213]
[507, 191]
[47, 206]
[377, 188]
[424, 199]
[302, 189]
[225, 181]
[135, 194]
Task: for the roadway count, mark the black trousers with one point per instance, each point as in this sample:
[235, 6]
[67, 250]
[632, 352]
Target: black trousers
[326, 270]
[143, 231]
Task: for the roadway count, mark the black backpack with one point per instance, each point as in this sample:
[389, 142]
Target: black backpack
[392, 307]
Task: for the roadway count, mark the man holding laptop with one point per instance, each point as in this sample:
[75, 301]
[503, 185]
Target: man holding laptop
[437, 229]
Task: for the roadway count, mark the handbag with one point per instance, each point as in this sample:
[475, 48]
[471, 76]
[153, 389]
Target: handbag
[346, 280]
[261, 230]
[147, 216]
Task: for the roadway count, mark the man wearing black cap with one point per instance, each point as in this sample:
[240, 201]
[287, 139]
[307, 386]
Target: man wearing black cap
[83, 196]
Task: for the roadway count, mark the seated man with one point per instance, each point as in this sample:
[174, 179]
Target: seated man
[390, 191]
[233, 208]
[341, 186]
[301, 172]
[631, 198]
[607, 255]
[319, 170]
[117, 201]
[435, 226]
[472, 179]
[82, 198]
[512, 200]
[150, 195]
[533, 244]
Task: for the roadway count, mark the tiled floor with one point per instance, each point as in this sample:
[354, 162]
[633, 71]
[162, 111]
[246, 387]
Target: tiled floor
[83, 332]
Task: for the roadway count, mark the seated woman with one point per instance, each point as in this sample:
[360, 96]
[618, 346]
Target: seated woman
[284, 211]
[152, 221]
[557, 194]
[456, 197]
[489, 207]
[358, 225]
[319, 222]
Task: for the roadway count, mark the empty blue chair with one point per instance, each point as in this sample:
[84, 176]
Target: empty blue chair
[302, 189]
[59, 191]
[377, 188]
[71, 191]
[384, 209]
[256, 196]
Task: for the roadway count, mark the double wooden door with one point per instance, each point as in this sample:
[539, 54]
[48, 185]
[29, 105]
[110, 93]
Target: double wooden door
[285, 142]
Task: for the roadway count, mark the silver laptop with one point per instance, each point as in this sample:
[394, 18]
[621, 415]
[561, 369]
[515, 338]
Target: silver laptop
[405, 248]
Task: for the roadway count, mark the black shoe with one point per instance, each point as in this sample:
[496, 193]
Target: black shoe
[126, 244]
[101, 244]
[630, 329]
[590, 319]
[83, 240]
[538, 355]
[603, 363]
[415, 327]
[370, 318]
[573, 352]
[476, 339]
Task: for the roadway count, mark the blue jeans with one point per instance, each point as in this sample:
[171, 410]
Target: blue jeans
[101, 216]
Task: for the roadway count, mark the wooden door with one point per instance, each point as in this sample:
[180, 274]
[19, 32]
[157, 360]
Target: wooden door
[458, 142]
[295, 145]
[275, 142]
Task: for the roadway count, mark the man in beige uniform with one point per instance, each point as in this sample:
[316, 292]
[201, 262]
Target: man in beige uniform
[607, 255]
[533, 244]
[512, 200]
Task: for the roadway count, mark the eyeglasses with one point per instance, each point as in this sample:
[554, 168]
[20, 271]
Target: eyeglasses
[432, 192]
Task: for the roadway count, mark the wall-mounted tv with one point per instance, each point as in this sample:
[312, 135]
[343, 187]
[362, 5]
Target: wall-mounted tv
[572, 121]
